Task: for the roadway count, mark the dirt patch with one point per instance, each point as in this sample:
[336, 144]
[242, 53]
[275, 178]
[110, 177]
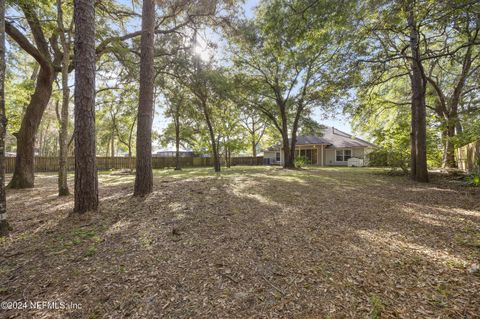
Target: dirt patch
[257, 243]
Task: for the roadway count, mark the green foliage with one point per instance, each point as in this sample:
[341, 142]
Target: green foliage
[377, 307]
[91, 250]
[475, 180]
[309, 126]
[301, 161]
[390, 158]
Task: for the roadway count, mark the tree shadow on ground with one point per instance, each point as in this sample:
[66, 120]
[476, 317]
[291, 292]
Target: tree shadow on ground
[260, 244]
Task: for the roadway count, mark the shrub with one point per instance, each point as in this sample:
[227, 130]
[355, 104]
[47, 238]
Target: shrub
[389, 158]
[300, 161]
[475, 180]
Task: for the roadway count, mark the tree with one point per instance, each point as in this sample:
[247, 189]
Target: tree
[86, 179]
[452, 77]
[4, 226]
[179, 109]
[203, 80]
[409, 40]
[144, 174]
[418, 167]
[41, 51]
[255, 125]
[289, 52]
[48, 55]
[63, 116]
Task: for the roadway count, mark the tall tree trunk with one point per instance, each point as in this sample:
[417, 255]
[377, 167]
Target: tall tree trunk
[23, 175]
[144, 175]
[63, 133]
[211, 132]
[177, 142]
[112, 141]
[418, 83]
[448, 146]
[86, 179]
[288, 155]
[4, 226]
[298, 113]
[107, 147]
[130, 136]
[229, 158]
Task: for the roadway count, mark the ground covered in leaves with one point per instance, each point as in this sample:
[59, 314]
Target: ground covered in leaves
[258, 242]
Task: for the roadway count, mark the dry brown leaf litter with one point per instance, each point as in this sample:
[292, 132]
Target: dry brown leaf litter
[252, 243]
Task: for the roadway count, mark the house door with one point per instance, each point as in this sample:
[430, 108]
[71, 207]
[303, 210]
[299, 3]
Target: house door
[308, 154]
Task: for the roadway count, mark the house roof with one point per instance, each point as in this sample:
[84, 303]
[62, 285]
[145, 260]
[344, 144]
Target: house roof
[332, 138]
[311, 139]
[339, 139]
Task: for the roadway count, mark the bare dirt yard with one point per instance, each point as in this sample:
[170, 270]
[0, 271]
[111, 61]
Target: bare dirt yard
[258, 242]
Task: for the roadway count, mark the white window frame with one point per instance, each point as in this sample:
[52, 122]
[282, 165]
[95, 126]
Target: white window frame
[278, 157]
[342, 154]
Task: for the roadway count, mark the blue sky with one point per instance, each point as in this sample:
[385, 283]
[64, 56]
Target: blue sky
[341, 122]
[338, 121]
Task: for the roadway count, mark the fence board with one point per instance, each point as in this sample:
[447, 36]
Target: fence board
[50, 164]
[468, 156]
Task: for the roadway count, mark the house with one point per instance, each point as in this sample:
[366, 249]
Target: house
[333, 148]
[169, 153]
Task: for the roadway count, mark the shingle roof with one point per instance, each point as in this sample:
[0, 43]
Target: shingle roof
[331, 137]
[340, 139]
[311, 139]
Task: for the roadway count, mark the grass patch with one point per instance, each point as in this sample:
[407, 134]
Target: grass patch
[377, 306]
[91, 250]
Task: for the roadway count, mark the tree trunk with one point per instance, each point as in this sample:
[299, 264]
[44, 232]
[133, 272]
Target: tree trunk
[293, 143]
[177, 143]
[86, 179]
[4, 226]
[144, 174]
[112, 141]
[23, 175]
[63, 133]
[418, 83]
[130, 163]
[254, 144]
[448, 147]
[288, 156]
[216, 156]
[229, 158]
[107, 148]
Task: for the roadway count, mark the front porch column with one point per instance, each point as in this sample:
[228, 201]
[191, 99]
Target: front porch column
[318, 155]
[322, 164]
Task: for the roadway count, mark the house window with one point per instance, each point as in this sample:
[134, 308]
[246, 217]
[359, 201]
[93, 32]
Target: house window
[339, 156]
[343, 155]
[307, 154]
[277, 156]
[346, 155]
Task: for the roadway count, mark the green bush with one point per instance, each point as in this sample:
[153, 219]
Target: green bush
[300, 161]
[475, 175]
[389, 158]
[475, 180]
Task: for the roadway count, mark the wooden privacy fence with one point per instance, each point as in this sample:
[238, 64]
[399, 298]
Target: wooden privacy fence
[468, 156]
[50, 164]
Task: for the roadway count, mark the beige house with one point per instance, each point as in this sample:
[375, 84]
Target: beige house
[333, 148]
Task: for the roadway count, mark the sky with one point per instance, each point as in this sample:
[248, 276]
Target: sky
[340, 122]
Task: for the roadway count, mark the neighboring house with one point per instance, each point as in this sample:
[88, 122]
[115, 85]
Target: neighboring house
[183, 153]
[333, 148]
